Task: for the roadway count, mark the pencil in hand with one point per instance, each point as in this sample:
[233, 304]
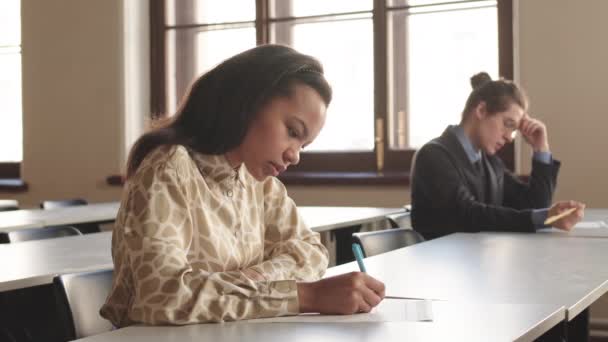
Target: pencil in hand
[561, 215]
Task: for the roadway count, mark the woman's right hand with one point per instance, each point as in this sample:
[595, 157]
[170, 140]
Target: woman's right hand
[344, 294]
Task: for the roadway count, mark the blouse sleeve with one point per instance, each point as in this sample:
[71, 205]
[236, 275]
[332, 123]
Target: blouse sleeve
[291, 249]
[168, 290]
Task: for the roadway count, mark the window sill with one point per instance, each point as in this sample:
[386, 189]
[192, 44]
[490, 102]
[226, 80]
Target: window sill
[13, 185]
[345, 178]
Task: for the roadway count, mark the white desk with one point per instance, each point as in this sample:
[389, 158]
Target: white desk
[32, 218]
[320, 218]
[34, 263]
[496, 268]
[452, 322]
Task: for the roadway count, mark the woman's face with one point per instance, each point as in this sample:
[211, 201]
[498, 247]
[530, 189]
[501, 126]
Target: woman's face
[279, 132]
[494, 130]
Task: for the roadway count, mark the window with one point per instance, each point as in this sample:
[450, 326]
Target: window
[11, 141]
[399, 68]
[196, 34]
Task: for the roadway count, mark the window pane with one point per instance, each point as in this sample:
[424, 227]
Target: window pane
[184, 12]
[300, 8]
[347, 55]
[192, 52]
[11, 141]
[444, 49]
[10, 22]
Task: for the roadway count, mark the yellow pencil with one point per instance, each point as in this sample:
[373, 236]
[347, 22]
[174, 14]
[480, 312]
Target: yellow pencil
[554, 218]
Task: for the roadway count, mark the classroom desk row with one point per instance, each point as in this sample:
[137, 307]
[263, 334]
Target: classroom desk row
[491, 286]
[37, 262]
[318, 218]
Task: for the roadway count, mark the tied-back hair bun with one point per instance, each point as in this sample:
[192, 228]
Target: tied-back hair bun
[480, 79]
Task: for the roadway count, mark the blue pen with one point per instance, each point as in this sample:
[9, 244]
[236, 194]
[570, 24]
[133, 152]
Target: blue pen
[359, 256]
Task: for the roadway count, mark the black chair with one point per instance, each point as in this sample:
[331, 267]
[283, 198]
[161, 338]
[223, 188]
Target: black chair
[382, 241]
[30, 234]
[79, 298]
[8, 205]
[85, 228]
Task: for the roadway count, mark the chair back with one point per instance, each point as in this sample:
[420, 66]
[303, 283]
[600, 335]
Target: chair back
[54, 204]
[85, 228]
[29, 234]
[399, 220]
[79, 298]
[382, 241]
[8, 205]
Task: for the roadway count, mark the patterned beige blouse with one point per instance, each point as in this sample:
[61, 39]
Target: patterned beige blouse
[188, 226]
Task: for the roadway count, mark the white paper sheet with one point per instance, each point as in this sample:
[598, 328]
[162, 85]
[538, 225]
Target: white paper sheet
[591, 225]
[389, 310]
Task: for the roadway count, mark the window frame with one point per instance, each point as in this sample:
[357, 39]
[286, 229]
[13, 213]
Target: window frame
[336, 168]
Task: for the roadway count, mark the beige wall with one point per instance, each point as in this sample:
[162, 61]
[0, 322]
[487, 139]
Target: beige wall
[72, 98]
[563, 65]
[74, 107]
[364, 196]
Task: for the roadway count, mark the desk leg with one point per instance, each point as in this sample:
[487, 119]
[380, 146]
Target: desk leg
[344, 252]
[578, 328]
[555, 334]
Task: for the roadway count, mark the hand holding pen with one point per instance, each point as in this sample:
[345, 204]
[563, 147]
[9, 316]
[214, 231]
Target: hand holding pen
[347, 293]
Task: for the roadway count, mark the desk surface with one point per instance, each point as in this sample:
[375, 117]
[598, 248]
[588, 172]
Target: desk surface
[452, 322]
[31, 218]
[34, 263]
[497, 268]
[328, 218]
[37, 262]
[319, 218]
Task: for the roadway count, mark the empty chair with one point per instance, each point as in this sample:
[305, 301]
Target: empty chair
[54, 204]
[85, 228]
[383, 241]
[42, 233]
[8, 204]
[79, 298]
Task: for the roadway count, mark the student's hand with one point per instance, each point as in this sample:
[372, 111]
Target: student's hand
[344, 294]
[535, 133]
[566, 223]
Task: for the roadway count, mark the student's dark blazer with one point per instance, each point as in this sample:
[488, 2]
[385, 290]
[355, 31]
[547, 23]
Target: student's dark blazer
[449, 194]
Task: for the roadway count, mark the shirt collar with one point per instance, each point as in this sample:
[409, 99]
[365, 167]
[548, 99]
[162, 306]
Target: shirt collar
[472, 154]
[219, 169]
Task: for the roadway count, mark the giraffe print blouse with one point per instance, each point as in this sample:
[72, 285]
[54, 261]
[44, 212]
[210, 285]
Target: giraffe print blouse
[187, 228]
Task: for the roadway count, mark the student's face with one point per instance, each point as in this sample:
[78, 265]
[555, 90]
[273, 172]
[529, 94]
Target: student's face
[497, 129]
[279, 132]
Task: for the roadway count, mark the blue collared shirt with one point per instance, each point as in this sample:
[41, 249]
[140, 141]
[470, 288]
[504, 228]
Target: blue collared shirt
[538, 215]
